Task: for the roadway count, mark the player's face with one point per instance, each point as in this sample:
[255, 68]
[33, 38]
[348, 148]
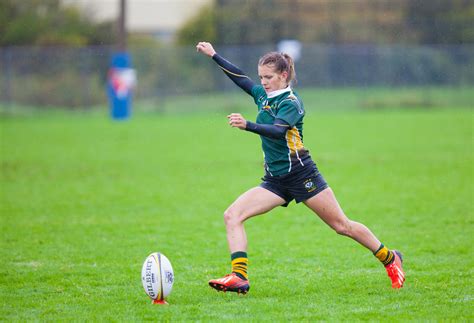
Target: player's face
[270, 79]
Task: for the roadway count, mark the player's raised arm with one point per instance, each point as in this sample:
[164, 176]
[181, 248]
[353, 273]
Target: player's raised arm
[232, 71]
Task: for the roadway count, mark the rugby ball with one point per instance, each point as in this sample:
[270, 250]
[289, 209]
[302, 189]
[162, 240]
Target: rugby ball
[157, 277]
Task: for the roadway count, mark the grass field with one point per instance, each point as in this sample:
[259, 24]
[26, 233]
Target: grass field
[84, 200]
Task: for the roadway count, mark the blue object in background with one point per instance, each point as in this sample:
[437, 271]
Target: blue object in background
[120, 83]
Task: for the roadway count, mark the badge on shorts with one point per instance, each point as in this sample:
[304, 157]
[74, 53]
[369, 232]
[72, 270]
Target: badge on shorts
[309, 185]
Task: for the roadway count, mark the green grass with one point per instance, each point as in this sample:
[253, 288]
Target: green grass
[84, 200]
[380, 98]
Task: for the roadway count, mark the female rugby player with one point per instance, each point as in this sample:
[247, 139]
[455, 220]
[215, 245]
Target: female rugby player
[290, 173]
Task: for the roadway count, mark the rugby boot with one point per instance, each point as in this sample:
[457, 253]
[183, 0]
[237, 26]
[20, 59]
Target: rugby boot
[395, 270]
[230, 283]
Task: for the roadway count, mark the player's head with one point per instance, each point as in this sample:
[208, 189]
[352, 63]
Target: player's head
[276, 71]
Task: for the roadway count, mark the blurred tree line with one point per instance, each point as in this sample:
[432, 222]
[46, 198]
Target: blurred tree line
[75, 74]
[50, 22]
[228, 22]
[231, 22]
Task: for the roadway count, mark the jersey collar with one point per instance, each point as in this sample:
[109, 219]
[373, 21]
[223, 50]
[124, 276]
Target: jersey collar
[278, 92]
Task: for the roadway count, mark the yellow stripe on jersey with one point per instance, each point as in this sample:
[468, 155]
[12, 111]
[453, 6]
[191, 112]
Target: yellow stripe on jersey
[229, 72]
[293, 140]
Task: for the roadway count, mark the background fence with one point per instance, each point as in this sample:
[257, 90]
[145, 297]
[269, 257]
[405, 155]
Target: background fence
[76, 77]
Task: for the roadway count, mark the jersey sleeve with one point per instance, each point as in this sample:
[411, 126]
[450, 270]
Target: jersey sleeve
[258, 93]
[234, 73]
[290, 111]
[277, 130]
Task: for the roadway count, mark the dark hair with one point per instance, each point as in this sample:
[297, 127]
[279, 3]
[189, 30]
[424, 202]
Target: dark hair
[282, 62]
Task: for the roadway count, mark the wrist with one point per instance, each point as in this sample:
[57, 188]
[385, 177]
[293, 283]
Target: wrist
[249, 125]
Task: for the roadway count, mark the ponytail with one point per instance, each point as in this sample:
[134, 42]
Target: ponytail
[291, 69]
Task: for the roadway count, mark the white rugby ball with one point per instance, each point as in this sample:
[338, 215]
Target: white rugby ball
[157, 276]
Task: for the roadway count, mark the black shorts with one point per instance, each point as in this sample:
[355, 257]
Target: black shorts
[300, 184]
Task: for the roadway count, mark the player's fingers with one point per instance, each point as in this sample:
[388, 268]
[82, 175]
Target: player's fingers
[201, 46]
[235, 120]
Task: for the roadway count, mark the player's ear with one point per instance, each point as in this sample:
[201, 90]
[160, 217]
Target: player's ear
[284, 75]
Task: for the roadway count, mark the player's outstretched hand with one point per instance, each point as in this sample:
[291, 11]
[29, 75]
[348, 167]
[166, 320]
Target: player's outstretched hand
[205, 48]
[236, 120]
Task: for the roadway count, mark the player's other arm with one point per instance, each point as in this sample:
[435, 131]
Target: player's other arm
[277, 130]
[232, 71]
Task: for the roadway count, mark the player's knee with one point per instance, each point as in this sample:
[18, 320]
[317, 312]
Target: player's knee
[231, 216]
[343, 228]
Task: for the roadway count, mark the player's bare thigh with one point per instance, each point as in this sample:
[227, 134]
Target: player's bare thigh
[326, 206]
[253, 202]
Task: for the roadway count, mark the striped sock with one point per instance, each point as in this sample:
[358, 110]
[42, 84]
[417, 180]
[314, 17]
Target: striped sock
[385, 256]
[239, 264]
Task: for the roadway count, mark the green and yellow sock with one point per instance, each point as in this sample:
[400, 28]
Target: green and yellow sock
[239, 264]
[385, 256]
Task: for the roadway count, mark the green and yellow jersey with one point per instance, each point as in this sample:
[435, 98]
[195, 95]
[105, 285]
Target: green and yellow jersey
[283, 147]
[281, 155]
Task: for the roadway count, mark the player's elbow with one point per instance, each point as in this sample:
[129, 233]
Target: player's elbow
[280, 132]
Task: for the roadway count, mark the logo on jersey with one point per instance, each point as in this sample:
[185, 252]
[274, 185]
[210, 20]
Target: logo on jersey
[268, 108]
